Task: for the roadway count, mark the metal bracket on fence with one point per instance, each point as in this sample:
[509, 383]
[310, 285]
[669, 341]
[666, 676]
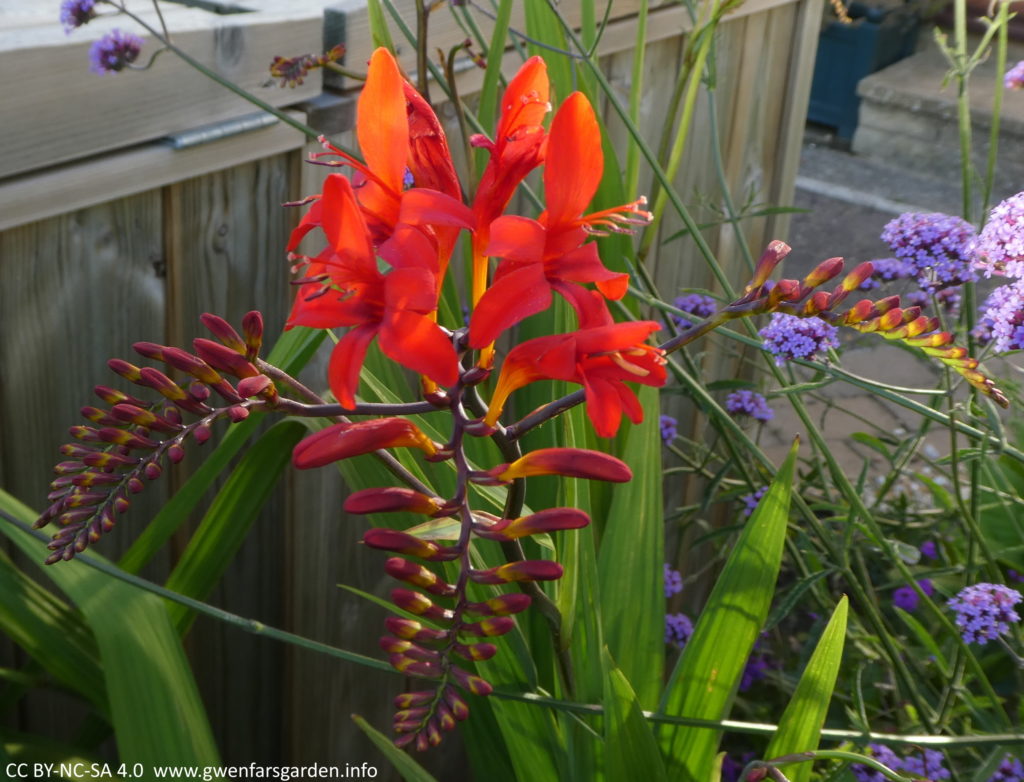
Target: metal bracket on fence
[218, 130]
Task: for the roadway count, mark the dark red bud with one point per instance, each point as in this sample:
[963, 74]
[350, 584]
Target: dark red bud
[223, 331]
[150, 350]
[238, 413]
[202, 433]
[252, 327]
[254, 386]
[175, 453]
[152, 470]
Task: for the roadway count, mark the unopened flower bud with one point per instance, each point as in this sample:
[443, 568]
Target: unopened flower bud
[252, 328]
[385, 500]
[525, 570]
[341, 441]
[223, 331]
[470, 683]
[570, 462]
[512, 603]
[417, 575]
[400, 543]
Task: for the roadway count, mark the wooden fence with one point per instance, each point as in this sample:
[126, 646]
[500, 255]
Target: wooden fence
[116, 227]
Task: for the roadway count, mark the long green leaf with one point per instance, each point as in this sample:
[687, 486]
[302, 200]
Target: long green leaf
[801, 722]
[630, 561]
[631, 750]
[705, 680]
[410, 770]
[155, 708]
[379, 26]
[230, 517]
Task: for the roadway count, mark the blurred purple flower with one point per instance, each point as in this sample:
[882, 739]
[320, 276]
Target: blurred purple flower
[673, 581]
[887, 270]
[757, 667]
[751, 403]
[1010, 769]
[906, 597]
[938, 247]
[750, 501]
[928, 550]
[114, 51]
[75, 13]
[678, 629]
[697, 305]
[883, 755]
[930, 763]
[947, 298]
[788, 337]
[1001, 318]
[731, 769]
[1013, 575]
[984, 611]
[1000, 246]
[1014, 79]
[668, 428]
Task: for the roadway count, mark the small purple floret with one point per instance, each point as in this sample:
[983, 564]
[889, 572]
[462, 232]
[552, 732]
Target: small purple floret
[788, 337]
[1014, 79]
[673, 581]
[747, 402]
[678, 629]
[938, 247]
[750, 501]
[906, 597]
[75, 13]
[930, 763]
[1001, 318]
[985, 611]
[883, 755]
[929, 550]
[668, 428]
[114, 52]
[1010, 770]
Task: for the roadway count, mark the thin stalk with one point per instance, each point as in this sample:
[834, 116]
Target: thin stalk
[632, 172]
[963, 108]
[1002, 19]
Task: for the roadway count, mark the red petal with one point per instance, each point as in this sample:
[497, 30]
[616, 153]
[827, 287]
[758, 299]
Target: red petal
[382, 125]
[525, 101]
[410, 247]
[618, 336]
[413, 289]
[309, 221]
[584, 265]
[604, 408]
[575, 162]
[429, 207]
[429, 159]
[344, 225]
[417, 343]
[511, 298]
[516, 238]
[346, 363]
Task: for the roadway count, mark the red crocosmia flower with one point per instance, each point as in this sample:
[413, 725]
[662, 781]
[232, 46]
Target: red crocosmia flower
[600, 358]
[399, 135]
[549, 253]
[347, 289]
[517, 149]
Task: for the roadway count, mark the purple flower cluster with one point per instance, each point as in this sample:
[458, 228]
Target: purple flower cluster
[1001, 318]
[938, 247]
[668, 426]
[673, 581]
[1010, 769]
[1000, 246]
[906, 597]
[114, 52]
[750, 501]
[788, 337]
[883, 755]
[929, 550]
[75, 13]
[947, 298]
[746, 402]
[1014, 79]
[984, 611]
[695, 304]
[887, 270]
[928, 763]
[757, 667]
[678, 629]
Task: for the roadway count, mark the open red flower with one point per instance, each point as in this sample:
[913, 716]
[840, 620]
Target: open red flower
[398, 306]
[600, 358]
[549, 253]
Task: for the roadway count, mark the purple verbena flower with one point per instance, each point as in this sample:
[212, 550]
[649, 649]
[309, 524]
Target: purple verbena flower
[1010, 768]
[1014, 79]
[751, 403]
[788, 337]
[114, 52]
[984, 611]
[678, 629]
[883, 755]
[1000, 246]
[1013, 575]
[75, 13]
[750, 501]
[930, 764]
[947, 298]
[695, 304]
[928, 550]
[673, 581]
[668, 428]
[906, 597]
[887, 270]
[938, 247]
[757, 667]
[1002, 318]
[731, 769]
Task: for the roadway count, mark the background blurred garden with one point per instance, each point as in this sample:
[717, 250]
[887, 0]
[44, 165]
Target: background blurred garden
[232, 615]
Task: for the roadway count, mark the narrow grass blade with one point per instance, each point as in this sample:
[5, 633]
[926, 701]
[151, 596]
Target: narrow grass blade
[707, 675]
[631, 750]
[379, 26]
[155, 708]
[801, 722]
[630, 561]
[230, 517]
[410, 770]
